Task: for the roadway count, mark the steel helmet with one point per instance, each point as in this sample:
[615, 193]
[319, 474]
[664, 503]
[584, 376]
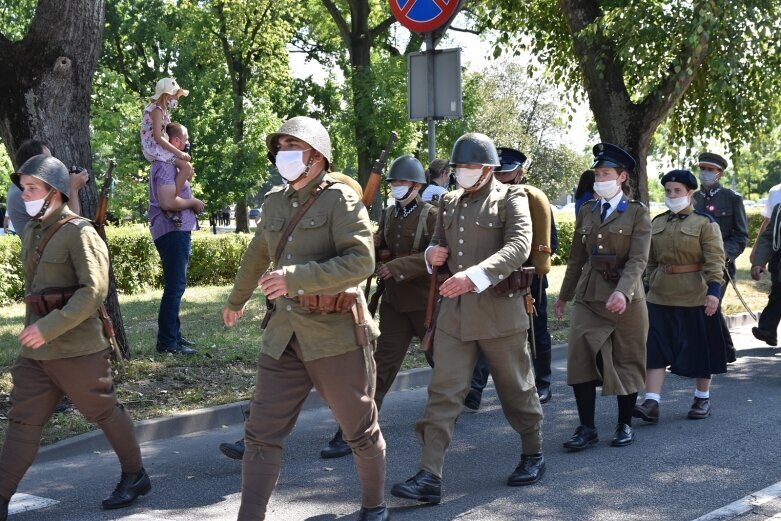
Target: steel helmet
[48, 169]
[474, 148]
[306, 129]
[407, 168]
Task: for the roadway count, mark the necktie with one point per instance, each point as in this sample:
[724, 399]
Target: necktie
[605, 208]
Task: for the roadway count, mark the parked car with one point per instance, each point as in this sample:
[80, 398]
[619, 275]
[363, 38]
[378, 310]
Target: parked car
[254, 213]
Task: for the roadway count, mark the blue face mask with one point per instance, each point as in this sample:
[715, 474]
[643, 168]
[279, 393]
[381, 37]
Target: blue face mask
[708, 178]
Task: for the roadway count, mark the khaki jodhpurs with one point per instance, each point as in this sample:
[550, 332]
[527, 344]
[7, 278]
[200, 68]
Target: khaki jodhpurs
[510, 365]
[39, 385]
[281, 386]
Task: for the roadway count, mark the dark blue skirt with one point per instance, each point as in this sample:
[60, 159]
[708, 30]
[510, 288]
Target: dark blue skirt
[686, 340]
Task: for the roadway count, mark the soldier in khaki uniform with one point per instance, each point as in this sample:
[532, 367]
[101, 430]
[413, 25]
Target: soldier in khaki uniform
[405, 232]
[64, 347]
[609, 321]
[311, 338]
[685, 270]
[488, 230]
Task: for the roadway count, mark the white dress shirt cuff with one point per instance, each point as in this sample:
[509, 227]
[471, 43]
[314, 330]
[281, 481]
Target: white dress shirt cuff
[478, 278]
[425, 258]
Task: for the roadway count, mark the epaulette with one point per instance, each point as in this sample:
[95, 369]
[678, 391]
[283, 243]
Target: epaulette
[637, 202]
[591, 202]
[275, 189]
[709, 216]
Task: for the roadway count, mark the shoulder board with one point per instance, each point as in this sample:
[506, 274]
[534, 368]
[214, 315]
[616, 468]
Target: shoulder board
[592, 202]
[635, 201]
[661, 215]
[707, 215]
[275, 189]
[80, 222]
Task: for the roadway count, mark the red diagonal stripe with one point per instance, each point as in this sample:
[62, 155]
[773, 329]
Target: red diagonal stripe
[407, 7]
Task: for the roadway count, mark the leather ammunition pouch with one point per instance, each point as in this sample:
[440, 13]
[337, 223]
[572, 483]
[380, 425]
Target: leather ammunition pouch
[517, 280]
[607, 266]
[49, 299]
[325, 304]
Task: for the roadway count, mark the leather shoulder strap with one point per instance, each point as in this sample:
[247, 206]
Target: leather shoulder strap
[46, 238]
[297, 218]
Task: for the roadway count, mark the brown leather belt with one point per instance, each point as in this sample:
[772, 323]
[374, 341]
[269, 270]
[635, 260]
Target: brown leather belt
[680, 268]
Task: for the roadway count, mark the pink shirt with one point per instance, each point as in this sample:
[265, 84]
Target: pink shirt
[149, 145]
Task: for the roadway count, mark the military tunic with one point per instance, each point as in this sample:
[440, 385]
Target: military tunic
[490, 229]
[620, 339]
[681, 335]
[330, 250]
[403, 304]
[75, 360]
[727, 209]
[765, 254]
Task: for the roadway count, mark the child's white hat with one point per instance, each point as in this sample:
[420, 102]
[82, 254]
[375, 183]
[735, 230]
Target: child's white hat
[168, 86]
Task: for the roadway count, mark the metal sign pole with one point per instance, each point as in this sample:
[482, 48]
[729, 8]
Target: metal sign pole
[432, 128]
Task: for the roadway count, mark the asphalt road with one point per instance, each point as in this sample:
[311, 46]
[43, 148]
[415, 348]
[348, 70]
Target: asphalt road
[679, 469]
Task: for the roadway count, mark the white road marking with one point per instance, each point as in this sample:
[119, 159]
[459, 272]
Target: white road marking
[744, 505]
[25, 502]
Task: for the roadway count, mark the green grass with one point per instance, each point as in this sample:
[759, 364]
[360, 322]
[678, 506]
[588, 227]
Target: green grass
[223, 371]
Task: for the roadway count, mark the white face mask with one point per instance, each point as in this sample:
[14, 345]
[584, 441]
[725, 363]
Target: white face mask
[707, 178]
[676, 204]
[172, 104]
[33, 208]
[606, 189]
[399, 193]
[467, 177]
[290, 163]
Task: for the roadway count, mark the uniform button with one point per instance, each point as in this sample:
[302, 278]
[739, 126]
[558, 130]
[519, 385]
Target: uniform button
[295, 204]
[460, 254]
[620, 231]
[490, 224]
[501, 277]
[510, 295]
[289, 256]
[38, 236]
[599, 236]
[600, 246]
[289, 238]
[289, 307]
[312, 222]
[460, 241]
[401, 276]
[462, 217]
[398, 235]
[464, 205]
[460, 266]
[300, 291]
[461, 229]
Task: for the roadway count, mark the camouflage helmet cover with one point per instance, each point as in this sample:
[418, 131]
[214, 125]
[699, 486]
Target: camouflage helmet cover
[306, 129]
[48, 169]
[407, 168]
[474, 148]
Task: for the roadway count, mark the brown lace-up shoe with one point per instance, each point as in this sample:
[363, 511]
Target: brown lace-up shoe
[700, 409]
[647, 411]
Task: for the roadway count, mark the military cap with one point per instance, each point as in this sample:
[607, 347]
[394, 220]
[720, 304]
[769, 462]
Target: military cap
[48, 169]
[714, 160]
[612, 156]
[680, 176]
[510, 159]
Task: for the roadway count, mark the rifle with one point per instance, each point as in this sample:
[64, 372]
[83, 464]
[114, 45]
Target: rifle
[369, 195]
[100, 225]
[430, 323]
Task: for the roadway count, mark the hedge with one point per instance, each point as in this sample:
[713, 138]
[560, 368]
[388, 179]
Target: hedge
[214, 259]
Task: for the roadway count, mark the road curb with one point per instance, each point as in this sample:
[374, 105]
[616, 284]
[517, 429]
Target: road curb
[231, 414]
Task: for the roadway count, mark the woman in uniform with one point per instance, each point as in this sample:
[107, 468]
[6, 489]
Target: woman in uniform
[684, 274]
[609, 321]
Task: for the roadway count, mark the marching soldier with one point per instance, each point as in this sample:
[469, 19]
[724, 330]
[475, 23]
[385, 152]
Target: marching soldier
[317, 234]
[405, 231]
[65, 349]
[544, 242]
[609, 321]
[726, 207]
[488, 228]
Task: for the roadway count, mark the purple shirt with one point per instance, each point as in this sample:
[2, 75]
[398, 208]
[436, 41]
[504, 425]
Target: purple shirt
[159, 223]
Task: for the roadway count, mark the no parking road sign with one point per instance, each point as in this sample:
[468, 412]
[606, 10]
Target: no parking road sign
[423, 16]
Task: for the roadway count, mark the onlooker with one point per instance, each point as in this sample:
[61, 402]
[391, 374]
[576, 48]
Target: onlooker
[438, 178]
[172, 242]
[585, 190]
[773, 198]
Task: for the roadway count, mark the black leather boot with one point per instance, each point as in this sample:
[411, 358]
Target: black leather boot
[4, 508]
[128, 489]
[233, 450]
[529, 471]
[336, 448]
[380, 513]
[423, 486]
[544, 392]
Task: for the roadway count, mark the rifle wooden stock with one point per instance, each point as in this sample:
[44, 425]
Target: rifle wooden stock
[375, 300]
[430, 323]
[373, 184]
[105, 192]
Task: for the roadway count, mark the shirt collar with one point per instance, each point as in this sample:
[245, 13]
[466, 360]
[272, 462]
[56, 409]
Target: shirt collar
[614, 200]
[303, 192]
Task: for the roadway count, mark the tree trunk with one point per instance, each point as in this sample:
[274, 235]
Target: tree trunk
[45, 88]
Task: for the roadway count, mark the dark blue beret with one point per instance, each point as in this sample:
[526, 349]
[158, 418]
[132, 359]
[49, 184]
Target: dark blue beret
[714, 160]
[510, 160]
[612, 156]
[680, 176]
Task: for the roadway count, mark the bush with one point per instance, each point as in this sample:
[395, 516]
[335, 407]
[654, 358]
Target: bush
[134, 258]
[565, 231]
[12, 274]
[215, 259]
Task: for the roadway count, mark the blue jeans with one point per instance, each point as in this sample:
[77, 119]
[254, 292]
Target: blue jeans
[174, 250]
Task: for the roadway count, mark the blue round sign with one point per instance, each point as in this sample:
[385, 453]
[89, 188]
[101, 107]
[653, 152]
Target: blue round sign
[423, 16]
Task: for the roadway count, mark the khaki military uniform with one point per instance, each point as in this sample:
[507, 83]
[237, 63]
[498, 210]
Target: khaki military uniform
[403, 304]
[620, 339]
[75, 361]
[329, 251]
[491, 229]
